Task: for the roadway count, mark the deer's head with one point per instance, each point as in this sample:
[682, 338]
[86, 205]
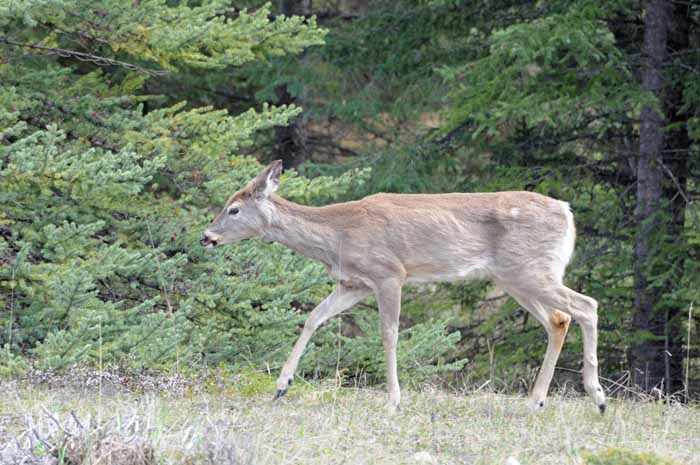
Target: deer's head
[247, 213]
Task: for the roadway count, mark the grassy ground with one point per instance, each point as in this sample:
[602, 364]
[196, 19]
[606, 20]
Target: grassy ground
[236, 423]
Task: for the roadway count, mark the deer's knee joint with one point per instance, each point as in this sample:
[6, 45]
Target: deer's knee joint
[589, 321]
[590, 307]
[594, 305]
[390, 335]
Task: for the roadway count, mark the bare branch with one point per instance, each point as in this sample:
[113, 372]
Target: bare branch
[95, 59]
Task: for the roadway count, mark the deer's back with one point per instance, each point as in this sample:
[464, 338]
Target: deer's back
[436, 237]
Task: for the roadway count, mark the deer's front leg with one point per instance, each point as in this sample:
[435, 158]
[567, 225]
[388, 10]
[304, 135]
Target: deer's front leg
[389, 298]
[342, 298]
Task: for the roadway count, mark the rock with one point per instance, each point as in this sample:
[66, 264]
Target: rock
[423, 457]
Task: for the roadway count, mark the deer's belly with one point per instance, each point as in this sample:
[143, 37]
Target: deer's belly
[473, 269]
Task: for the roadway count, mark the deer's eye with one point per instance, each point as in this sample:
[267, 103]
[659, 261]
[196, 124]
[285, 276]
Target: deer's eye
[233, 211]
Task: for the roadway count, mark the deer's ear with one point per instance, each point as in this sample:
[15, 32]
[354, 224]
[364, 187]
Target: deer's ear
[267, 181]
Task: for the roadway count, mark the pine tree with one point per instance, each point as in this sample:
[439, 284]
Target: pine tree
[108, 176]
[105, 186]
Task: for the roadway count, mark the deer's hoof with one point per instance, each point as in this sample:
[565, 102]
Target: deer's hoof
[598, 397]
[392, 408]
[279, 393]
[283, 382]
[536, 405]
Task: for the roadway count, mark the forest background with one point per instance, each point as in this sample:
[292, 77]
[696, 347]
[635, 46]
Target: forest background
[124, 125]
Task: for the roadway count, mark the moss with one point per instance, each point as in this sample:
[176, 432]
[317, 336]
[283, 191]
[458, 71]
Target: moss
[618, 456]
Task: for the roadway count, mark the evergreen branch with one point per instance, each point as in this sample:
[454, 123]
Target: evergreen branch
[321, 16]
[81, 56]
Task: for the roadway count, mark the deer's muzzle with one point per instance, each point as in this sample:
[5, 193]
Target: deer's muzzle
[207, 241]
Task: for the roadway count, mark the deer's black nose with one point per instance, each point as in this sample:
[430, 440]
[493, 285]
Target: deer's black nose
[208, 239]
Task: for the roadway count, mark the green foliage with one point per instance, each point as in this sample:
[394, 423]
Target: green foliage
[209, 35]
[105, 199]
[558, 71]
[107, 184]
[11, 365]
[614, 456]
[426, 350]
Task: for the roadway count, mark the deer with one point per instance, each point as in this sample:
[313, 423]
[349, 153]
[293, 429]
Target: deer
[521, 241]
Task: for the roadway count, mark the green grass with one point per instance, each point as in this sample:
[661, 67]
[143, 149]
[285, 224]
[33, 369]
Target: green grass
[237, 423]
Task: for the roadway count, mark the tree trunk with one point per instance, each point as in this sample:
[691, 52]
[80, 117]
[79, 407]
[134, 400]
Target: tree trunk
[657, 359]
[291, 141]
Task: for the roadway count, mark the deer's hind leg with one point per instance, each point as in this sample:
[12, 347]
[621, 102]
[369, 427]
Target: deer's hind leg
[584, 310]
[556, 323]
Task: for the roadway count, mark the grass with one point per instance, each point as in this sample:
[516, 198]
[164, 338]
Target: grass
[233, 421]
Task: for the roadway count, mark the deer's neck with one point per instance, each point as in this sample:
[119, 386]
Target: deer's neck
[303, 229]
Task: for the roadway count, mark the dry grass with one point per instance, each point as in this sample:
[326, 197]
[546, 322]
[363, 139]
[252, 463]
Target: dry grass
[238, 424]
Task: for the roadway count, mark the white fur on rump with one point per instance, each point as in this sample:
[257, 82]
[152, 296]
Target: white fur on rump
[566, 248]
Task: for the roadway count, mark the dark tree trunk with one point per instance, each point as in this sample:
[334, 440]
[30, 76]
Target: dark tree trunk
[291, 141]
[657, 360]
[296, 7]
